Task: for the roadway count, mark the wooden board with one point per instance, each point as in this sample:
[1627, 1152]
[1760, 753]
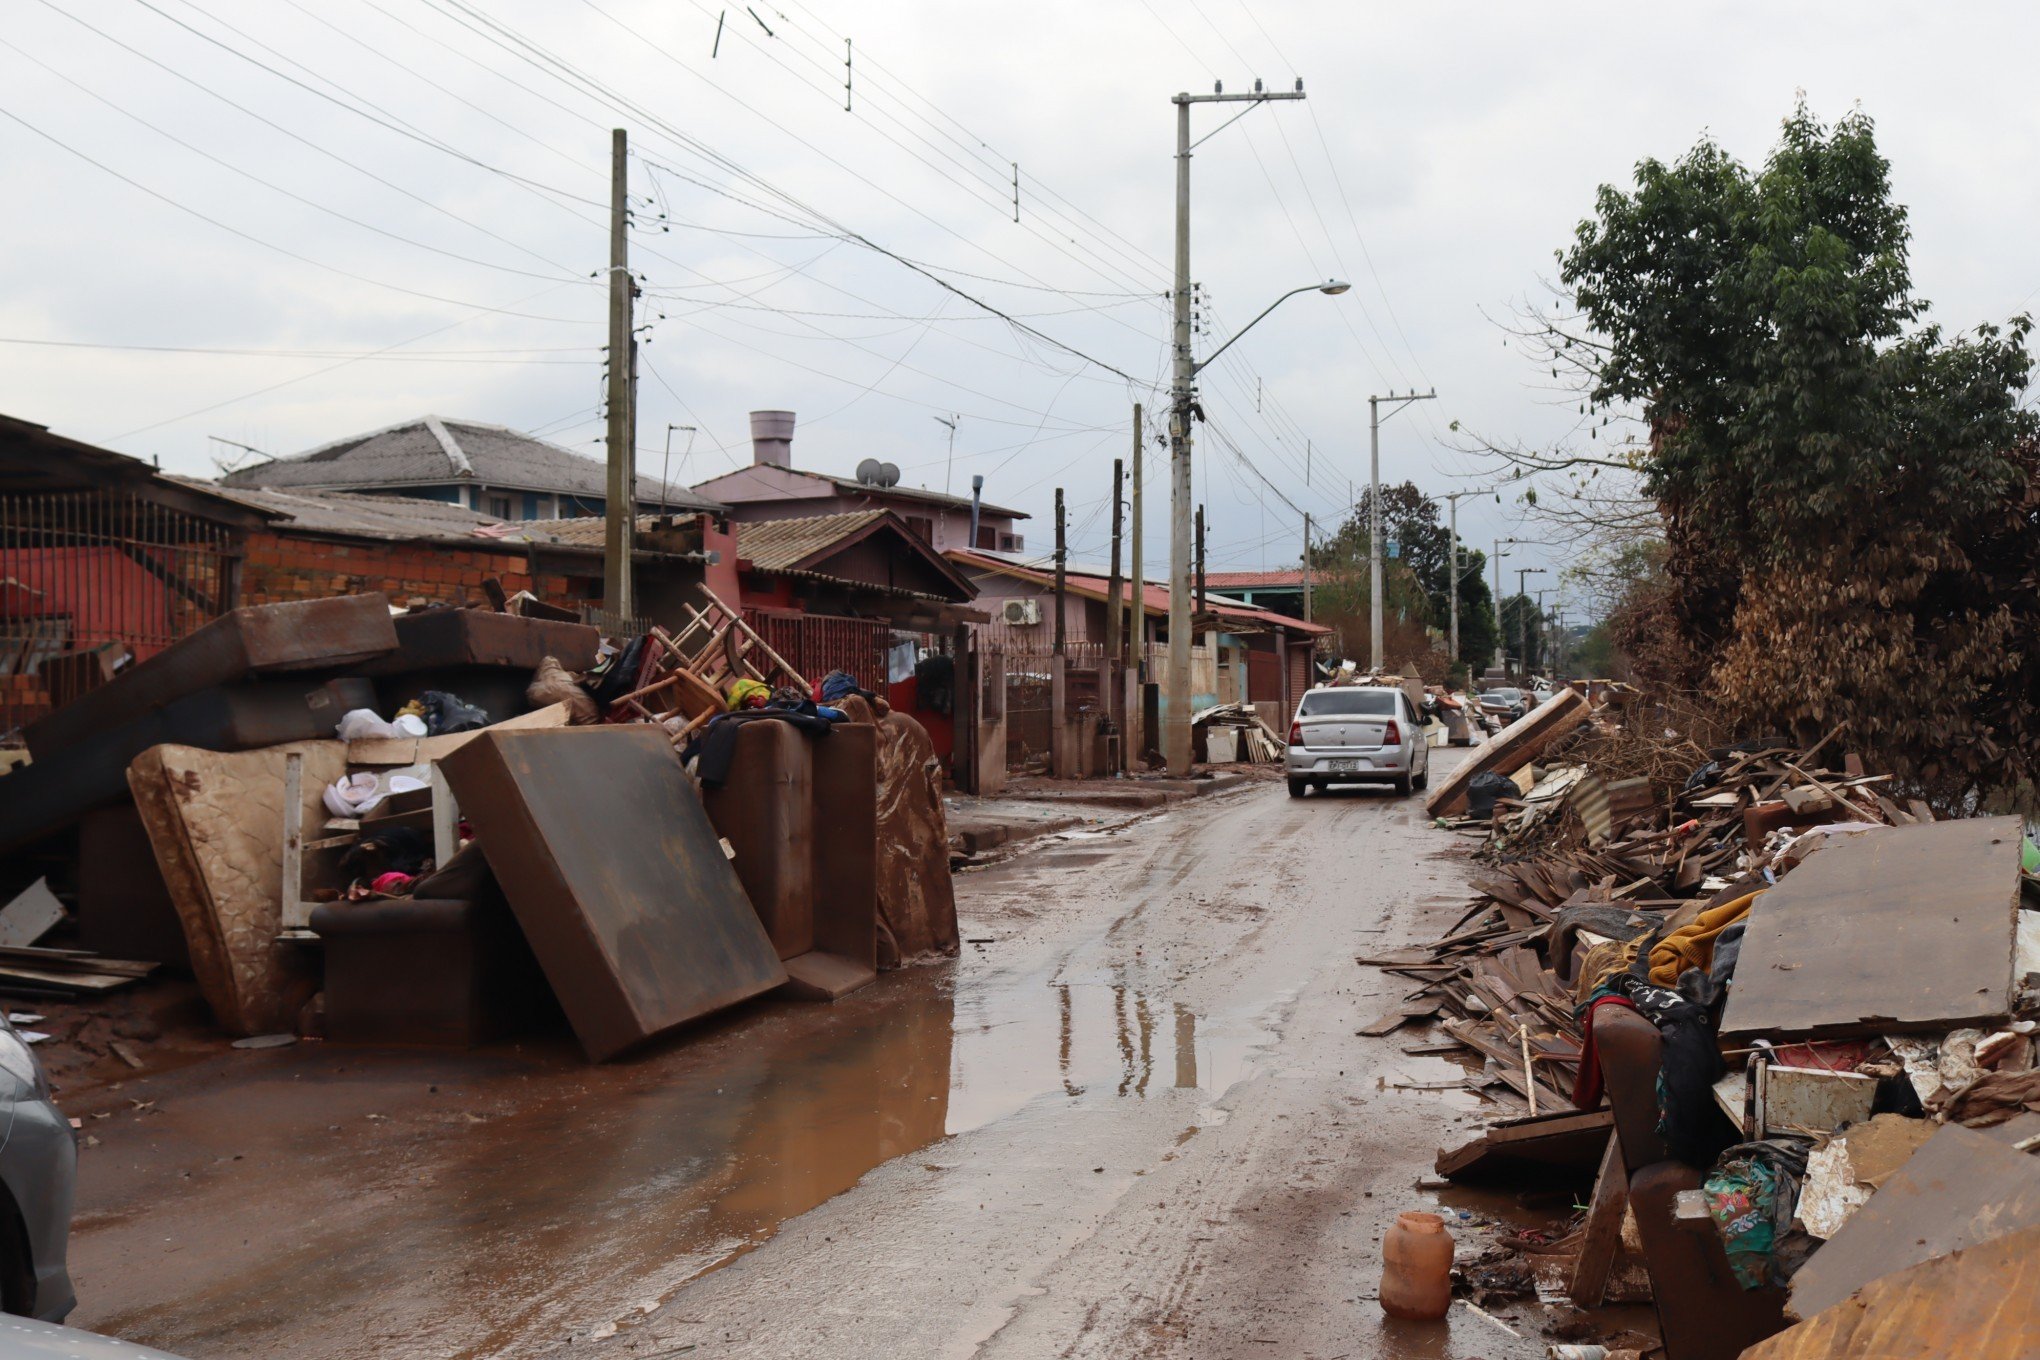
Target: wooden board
[1569, 1141]
[1602, 1235]
[601, 844]
[30, 915]
[1981, 1303]
[1908, 929]
[1959, 1189]
[1510, 749]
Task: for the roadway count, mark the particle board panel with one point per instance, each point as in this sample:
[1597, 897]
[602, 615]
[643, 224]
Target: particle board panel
[1961, 1188]
[1908, 929]
[1510, 749]
[601, 844]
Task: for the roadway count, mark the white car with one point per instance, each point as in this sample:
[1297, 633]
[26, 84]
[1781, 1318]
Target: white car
[1357, 734]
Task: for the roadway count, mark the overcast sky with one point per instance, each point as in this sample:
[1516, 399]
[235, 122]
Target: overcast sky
[398, 176]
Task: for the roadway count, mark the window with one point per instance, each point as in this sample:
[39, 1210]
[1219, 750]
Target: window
[924, 527]
[1372, 703]
[1012, 543]
[497, 507]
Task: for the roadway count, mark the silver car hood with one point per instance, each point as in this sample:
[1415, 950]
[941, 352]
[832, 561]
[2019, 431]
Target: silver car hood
[26, 1339]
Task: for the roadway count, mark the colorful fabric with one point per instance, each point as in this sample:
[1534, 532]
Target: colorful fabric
[1692, 945]
[749, 693]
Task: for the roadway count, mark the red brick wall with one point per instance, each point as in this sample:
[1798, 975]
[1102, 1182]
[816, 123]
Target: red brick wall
[294, 567]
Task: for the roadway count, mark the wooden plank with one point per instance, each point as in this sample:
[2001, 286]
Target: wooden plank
[1902, 930]
[1603, 1231]
[1961, 1188]
[1510, 749]
[1568, 1140]
[1981, 1303]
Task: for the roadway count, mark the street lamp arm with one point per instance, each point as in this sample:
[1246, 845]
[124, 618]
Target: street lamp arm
[1333, 288]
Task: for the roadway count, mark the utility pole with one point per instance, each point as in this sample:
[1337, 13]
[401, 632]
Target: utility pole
[1374, 564]
[1523, 613]
[1306, 566]
[1136, 618]
[1059, 550]
[1452, 499]
[949, 465]
[1176, 737]
[1112, 608]
[1501, 649]
[620, 510]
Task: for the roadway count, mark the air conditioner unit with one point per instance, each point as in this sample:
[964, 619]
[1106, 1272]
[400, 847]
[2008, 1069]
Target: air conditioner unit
[1022, 611]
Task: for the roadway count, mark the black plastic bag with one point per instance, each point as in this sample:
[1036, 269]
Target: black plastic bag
[1485, 790]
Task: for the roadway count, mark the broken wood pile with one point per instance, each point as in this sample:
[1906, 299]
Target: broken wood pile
[683, 679]
[1256, 743]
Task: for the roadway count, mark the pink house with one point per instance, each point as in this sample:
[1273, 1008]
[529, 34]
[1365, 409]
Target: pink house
[773, 488]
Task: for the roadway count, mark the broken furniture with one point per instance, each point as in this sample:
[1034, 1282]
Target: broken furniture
[485, 657]
[1704, 1312]
[1510, 749]
[1903, 930]
[601, 844]
[124, 906]
[411, 971]
[799, 815]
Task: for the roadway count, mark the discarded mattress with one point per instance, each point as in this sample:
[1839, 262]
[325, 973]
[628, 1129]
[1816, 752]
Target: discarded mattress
[600, 843]
[916, 895]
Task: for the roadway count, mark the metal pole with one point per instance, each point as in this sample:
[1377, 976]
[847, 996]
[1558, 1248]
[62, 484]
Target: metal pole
[1176, 729]
[1136, 621]
[621, 509]
[1452, 657]
[1501, 657]
[949, 464]
[1374, 534]
[1306, 567]
[1059, 571]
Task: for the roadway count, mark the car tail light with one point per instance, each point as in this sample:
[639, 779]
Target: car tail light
[1296, 734]
[1391, 735]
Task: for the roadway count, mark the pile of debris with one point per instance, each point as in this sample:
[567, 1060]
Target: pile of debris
[456, 825]
[1779, 1014]
[1236, 734]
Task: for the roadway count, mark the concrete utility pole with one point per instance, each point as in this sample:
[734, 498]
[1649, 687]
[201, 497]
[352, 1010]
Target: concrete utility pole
[1374, 565]
[1501, 646]
[620, 523]
[1176, 736]
[1113, 612]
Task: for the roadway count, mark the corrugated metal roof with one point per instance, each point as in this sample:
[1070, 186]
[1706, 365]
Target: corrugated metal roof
[1249, 580]
[431, 451]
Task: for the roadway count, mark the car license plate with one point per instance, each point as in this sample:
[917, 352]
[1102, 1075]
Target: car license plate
[1345, 766]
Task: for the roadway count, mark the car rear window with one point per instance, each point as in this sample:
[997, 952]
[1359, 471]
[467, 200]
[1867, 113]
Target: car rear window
[1346, 702]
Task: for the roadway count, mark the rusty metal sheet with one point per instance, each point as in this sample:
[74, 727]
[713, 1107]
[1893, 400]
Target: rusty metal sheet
[268, 639]
[1961, 1188]
[436, 639]
[601, 844]
[1908, 929]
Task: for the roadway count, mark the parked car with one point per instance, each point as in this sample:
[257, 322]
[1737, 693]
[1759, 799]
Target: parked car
[1357, 734]
[27, 1339]
[38, 1177]
[1507, 704]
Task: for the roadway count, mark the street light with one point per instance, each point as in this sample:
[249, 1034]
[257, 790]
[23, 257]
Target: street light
[1330, 288]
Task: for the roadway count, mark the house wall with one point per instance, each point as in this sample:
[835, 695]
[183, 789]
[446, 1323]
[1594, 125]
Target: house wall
[762, 492]
[280, 567]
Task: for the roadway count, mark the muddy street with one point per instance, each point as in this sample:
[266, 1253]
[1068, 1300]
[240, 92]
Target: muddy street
[1133, 1119]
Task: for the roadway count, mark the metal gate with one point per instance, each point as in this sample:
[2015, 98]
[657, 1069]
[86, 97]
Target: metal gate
[92, 581]
[815, 644]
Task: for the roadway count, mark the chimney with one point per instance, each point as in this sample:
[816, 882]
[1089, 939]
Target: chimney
[772, 438]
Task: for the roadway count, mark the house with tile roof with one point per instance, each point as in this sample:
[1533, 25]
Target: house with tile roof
[490, 469]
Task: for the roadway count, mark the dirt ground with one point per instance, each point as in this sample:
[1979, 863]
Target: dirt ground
[1134, 1119]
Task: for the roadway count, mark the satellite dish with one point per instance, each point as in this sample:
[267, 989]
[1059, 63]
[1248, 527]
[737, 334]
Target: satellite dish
[888, 474]
[868, 470]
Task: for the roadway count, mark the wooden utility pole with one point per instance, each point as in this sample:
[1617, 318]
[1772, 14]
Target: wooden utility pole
[620, 508]
[1136, 615]
[1113, 611]
[1059, 551]
[1306, 567]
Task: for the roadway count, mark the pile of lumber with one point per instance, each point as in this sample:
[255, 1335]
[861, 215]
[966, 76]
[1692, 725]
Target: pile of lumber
[1257, 743]
[28, 971]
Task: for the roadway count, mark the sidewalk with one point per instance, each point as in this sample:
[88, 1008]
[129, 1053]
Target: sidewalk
[1033, 806]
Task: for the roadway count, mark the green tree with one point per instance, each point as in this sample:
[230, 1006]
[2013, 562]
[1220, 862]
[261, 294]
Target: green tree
[1411, 522]
[1845, 490]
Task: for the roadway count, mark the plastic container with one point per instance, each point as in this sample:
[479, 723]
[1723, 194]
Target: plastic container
[1416, 1268]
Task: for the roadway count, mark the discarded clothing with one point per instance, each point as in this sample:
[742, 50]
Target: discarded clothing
[393, 883]
[836, 684]
[620, 676]
[748, 693]
[355, 795]
[448, 713]
[1990, 1099]
[1587, 1086]
[404, 849]
[1692, 945]
[1727, 949]
[551, 684]
[935, 683]
[1689, 1064]
[1751, 1193]
[364, 724]
[718, 745]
